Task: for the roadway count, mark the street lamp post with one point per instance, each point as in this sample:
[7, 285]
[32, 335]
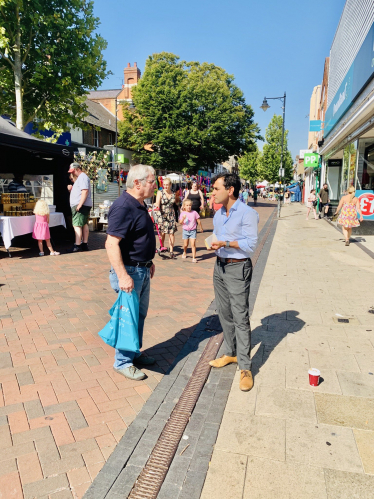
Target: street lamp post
[282, 171]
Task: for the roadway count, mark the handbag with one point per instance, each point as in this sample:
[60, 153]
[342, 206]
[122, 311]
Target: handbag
[121, 331]
[335, 217]
[314, 203]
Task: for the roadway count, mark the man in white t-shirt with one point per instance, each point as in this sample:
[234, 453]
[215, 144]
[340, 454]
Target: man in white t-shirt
[81, 204]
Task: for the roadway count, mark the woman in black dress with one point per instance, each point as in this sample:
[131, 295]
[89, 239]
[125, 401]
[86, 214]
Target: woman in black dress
[196, 196]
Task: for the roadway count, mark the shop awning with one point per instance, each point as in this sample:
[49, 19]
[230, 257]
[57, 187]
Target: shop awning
[21, 150]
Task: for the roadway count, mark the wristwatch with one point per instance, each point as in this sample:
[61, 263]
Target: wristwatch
[227, 244]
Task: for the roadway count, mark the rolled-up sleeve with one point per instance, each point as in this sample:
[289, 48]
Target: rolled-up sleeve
[248, 241]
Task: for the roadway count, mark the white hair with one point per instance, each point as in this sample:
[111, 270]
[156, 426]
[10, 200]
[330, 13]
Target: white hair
[139, 172]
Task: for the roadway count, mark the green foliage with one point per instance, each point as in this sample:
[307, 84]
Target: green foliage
[188, 116]
[91, 164]
[271, 154]
[51, 55]
[250, 166]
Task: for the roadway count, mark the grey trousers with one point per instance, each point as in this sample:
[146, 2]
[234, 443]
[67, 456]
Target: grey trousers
[231, 287]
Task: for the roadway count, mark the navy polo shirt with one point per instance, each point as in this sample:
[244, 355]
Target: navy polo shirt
[129, 219]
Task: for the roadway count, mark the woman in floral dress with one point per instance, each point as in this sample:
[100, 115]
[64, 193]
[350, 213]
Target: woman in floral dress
[165, 200]
[349, 206]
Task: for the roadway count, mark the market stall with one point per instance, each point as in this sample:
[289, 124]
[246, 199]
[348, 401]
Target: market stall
[11, 227]
[39, 169]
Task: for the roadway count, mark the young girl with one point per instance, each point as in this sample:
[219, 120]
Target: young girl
[41, 227]
[312, 202]
[188, 219]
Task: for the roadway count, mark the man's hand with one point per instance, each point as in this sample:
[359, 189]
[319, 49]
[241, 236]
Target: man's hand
[152, 270]
[70, 187]
[218, 244]
[78, 207]
[126, 284]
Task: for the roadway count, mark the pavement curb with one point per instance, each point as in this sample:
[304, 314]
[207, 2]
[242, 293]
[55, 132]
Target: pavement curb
[186, 476]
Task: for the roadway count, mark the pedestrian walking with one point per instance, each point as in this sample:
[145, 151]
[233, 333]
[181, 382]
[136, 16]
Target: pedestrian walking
[41, 227]
[255, 195]
[236, 228]
[81, 204]
[131, 247]
[196, 197]
[312, 203]
[165, 214]
[287, 197]
[189, 219]
[348, 207]
[245, 196]
[213, 205]
[324, 200]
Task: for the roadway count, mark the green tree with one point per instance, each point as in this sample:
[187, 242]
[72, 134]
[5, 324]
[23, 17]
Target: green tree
[250, 166]
[271, 154]
[187, 116]
[49, 56]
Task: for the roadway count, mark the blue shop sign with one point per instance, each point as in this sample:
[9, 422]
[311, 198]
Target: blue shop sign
[357, 77]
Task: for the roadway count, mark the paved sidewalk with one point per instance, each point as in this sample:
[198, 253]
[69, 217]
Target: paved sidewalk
[285, 439]
[62, 407]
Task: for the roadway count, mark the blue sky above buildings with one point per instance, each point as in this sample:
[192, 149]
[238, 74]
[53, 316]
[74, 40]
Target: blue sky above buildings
[269, 46]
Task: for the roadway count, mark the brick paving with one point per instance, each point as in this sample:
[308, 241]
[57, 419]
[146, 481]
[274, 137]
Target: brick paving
[62, 407]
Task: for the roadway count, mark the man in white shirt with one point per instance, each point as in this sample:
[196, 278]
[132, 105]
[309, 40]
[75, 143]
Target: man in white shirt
[81, 204]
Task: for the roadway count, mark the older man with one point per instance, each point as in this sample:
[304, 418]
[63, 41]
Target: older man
[80, 203]
[235, 226]
[131, 246]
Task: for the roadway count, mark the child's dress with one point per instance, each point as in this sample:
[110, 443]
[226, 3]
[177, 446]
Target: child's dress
[41, 228]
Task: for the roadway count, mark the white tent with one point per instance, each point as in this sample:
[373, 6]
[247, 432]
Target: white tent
[174, 177]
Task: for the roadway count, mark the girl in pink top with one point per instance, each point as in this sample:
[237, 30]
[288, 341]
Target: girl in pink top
[312, 203]
[188, 219]
[41, 227]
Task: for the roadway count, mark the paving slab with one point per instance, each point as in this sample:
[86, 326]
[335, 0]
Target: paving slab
[332, 446]
[354, 412]
[266, 478]
[232, 484]
[365, 445]
[345, 485]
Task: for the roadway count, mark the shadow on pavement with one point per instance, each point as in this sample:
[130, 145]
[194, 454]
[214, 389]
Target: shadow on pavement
[274, 328]
[167, 351]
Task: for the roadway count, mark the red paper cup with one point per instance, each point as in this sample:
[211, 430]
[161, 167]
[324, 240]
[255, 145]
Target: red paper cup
[314, 375]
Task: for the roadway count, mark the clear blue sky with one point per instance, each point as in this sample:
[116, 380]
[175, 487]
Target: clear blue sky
[270, 46]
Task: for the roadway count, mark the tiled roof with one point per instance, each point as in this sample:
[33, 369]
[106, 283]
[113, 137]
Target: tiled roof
[100, 116]
[104, 94]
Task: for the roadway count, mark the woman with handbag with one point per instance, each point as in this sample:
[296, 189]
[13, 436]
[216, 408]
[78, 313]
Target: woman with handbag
[312, 203]
[349, 206]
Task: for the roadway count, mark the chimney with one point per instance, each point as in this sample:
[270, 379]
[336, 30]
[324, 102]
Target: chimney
[131, 74]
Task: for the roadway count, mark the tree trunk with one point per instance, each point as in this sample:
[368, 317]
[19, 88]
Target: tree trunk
[18, 75]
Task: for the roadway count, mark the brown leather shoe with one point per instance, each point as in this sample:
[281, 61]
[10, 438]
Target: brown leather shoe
[223, 361]
[246, 381]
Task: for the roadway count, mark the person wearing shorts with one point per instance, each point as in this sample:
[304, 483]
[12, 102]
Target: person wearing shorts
[80, 204]
[189, 219]
[325, 201]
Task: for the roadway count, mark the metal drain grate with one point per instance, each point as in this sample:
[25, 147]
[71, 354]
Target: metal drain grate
[153, 474]
[151, 478]
[346, 321]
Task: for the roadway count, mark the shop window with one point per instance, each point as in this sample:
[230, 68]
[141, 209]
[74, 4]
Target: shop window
[365, 164]
[367, 180]
[349, 167]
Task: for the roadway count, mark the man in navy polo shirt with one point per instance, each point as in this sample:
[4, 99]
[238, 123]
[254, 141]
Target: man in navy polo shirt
[131, 246]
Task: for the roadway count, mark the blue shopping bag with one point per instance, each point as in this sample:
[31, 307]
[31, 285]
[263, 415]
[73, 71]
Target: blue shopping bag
[121, 332]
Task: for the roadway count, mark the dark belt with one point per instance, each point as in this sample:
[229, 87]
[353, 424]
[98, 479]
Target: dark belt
[139, 264]
[232, 260]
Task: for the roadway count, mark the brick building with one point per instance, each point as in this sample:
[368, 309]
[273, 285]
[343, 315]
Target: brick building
[107, 98]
